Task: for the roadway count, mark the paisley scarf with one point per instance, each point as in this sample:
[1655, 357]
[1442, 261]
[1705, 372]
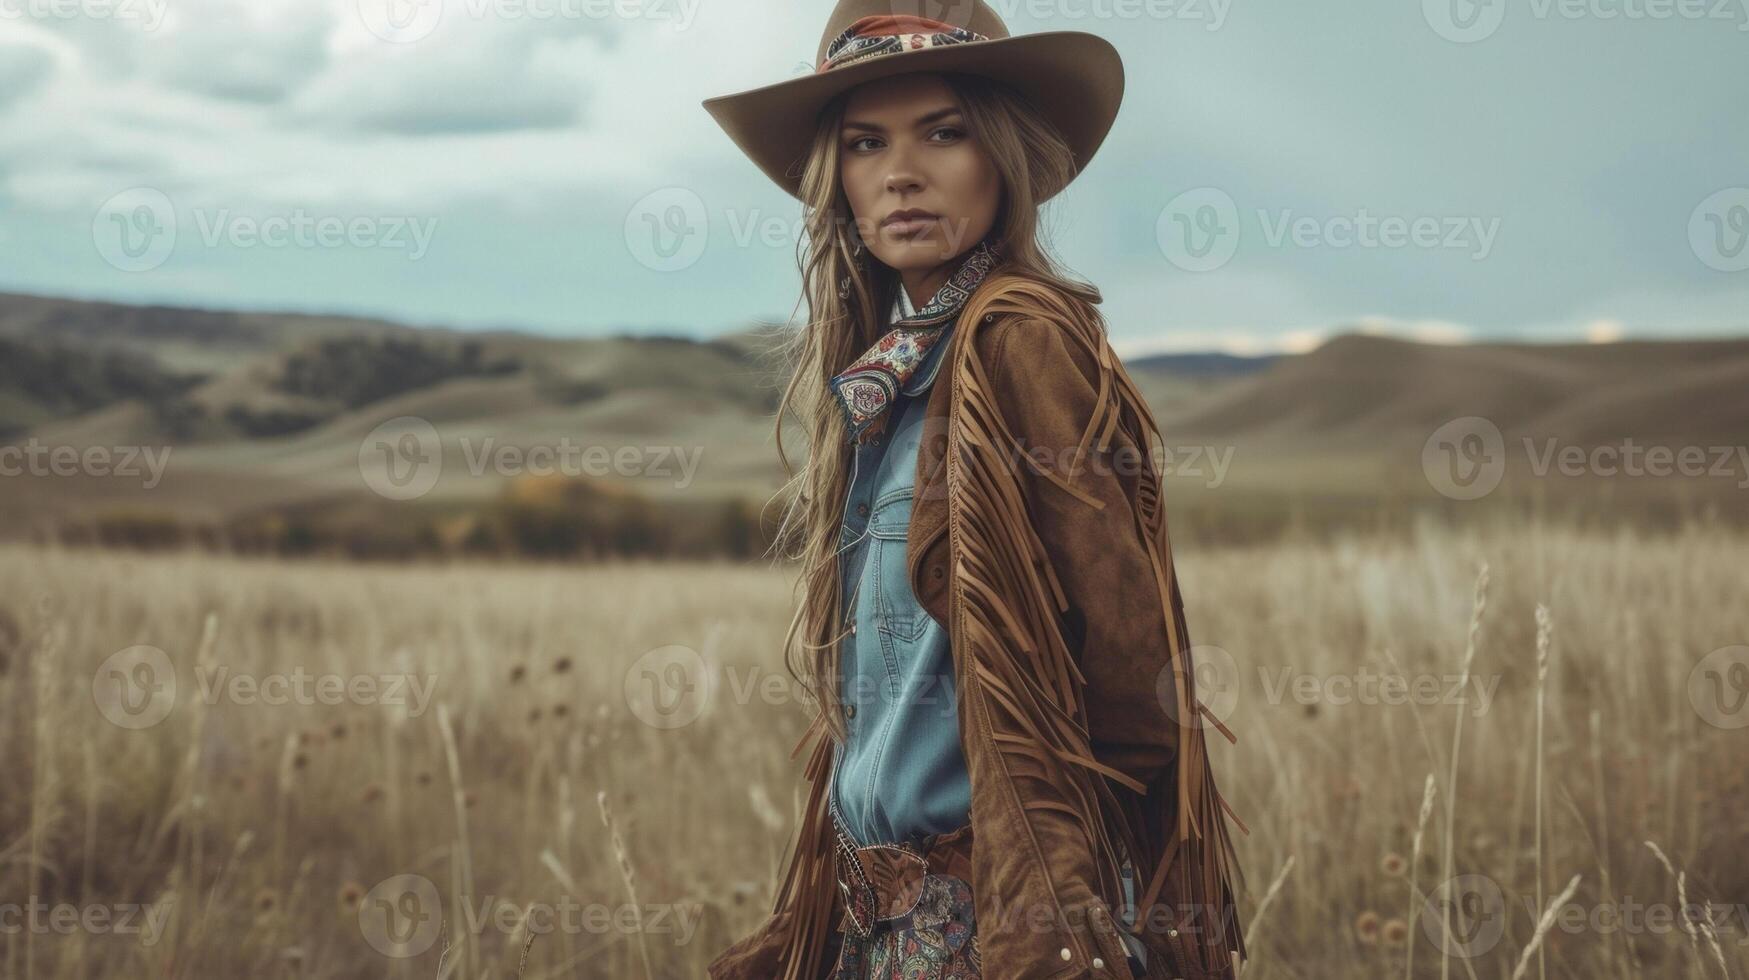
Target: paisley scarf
[873, 381]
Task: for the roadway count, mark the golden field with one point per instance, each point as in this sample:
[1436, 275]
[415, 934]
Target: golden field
[479, 769]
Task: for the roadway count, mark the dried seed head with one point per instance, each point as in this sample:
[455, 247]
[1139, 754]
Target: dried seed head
[350, 895]
[1366, 928]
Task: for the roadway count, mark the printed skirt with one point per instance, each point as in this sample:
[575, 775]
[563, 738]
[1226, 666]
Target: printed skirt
[908, 910]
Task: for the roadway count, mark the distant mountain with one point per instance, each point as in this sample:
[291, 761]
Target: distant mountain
[1206, 364]
[178, 337]
[1364, 387]
[73, 369]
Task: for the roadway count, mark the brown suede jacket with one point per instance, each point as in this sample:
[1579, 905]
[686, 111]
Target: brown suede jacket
[1038, 538]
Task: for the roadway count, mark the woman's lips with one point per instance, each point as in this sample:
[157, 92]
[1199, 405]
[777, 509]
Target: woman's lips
[910, 226]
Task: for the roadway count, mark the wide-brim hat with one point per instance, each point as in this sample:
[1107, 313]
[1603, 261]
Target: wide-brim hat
[1075, 79]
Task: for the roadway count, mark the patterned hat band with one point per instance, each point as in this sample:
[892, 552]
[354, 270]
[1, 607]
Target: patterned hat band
[886, 34]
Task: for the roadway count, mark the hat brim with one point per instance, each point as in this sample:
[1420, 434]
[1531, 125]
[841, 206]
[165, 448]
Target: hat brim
[1074, 78]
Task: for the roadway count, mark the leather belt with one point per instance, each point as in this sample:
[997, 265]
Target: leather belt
[885, 881]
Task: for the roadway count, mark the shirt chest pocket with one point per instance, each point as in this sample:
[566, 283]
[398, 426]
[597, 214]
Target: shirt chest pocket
[901, 619]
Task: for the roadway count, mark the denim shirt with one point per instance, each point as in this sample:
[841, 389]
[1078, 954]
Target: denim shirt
[900, 774]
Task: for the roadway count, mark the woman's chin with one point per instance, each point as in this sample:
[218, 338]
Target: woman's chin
[918, 251]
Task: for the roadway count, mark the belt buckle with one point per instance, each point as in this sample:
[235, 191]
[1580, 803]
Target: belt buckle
[867, 874]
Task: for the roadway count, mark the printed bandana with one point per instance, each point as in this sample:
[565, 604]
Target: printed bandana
[870, 384]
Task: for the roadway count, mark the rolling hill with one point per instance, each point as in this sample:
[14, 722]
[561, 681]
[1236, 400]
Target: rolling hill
[275, 414]
[1360, 388]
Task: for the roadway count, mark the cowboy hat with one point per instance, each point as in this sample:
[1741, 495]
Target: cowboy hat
[1075, 79]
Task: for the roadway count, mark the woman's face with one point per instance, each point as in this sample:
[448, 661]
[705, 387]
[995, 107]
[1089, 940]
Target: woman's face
[904, 146]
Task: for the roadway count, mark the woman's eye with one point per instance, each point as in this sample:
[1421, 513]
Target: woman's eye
[950, 133]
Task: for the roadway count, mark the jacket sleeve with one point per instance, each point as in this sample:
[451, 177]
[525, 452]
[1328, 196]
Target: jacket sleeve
[1050, 387]
[1057, 409]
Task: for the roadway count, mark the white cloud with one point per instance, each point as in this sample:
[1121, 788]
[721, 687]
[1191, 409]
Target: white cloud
[259, 52]
[1424, 331]
[22, 68]
[1242, 343]
[244, 103]
[448, 85]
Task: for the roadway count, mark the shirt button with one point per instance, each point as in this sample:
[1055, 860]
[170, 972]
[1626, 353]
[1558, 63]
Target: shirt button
[1065, 953]
[862, 510]
[850, 711]
[1098, 964]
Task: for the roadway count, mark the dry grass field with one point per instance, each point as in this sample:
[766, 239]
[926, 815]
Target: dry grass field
[222, 767]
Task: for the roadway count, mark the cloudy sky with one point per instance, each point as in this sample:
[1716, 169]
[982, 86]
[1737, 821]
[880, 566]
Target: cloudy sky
[1280, 170]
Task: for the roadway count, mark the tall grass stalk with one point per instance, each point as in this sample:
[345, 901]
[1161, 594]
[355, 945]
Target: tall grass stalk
[1457, 738]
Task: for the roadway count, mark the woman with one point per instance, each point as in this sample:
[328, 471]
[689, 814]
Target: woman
[1009, 746]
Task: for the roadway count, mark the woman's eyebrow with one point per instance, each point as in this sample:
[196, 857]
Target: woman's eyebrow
[922, 120]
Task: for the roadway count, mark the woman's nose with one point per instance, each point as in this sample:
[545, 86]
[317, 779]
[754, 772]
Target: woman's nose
[902, 172]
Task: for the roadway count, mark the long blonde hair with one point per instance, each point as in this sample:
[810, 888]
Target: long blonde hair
[1029, 155]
